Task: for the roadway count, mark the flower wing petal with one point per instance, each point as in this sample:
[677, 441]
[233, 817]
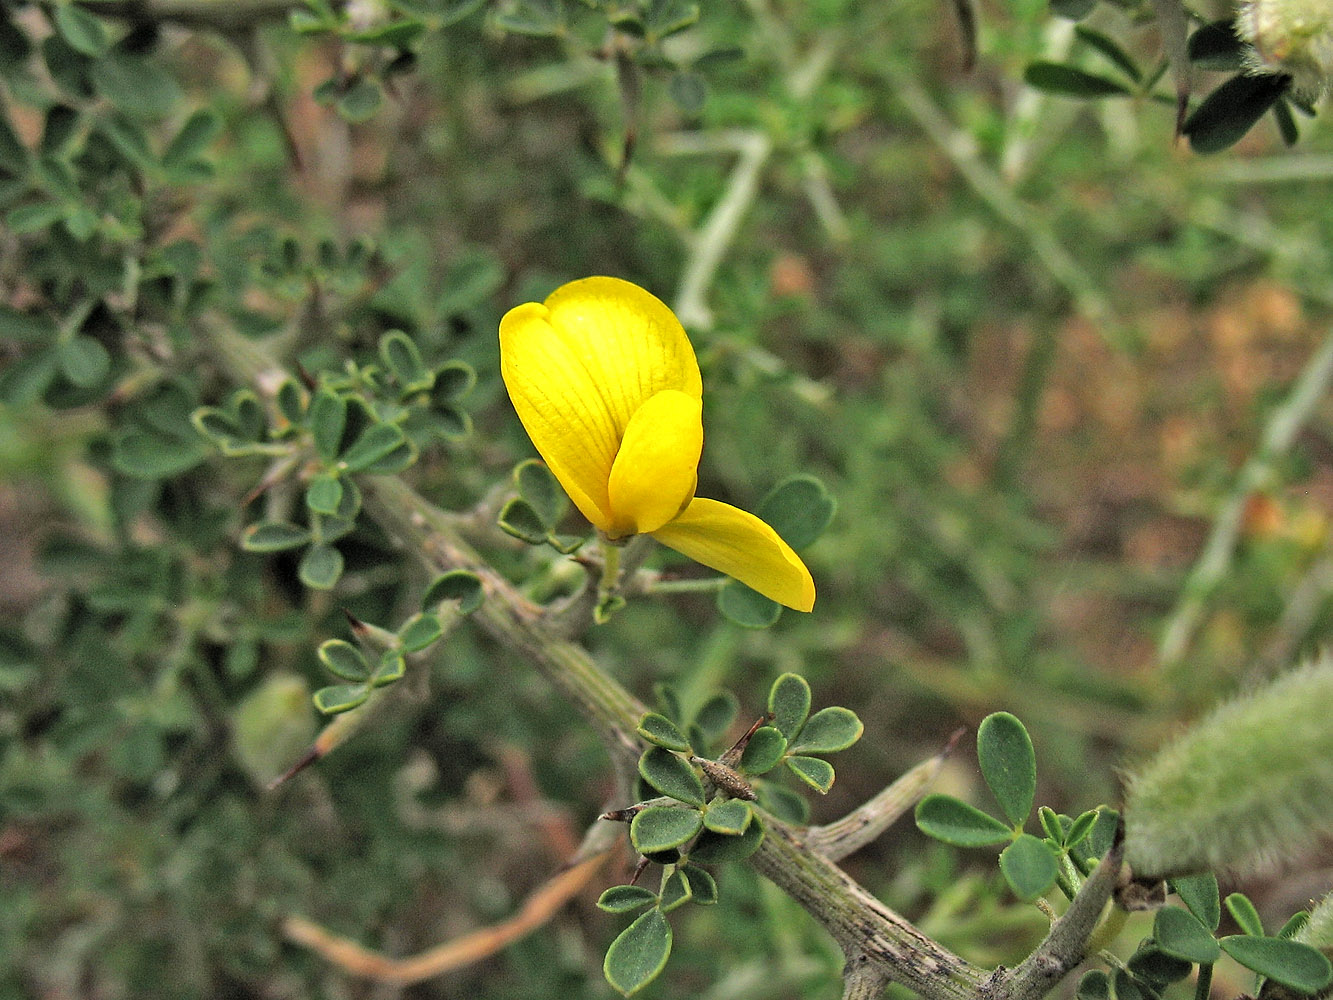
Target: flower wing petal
[657, 467]
[561, 408]
[737, 543]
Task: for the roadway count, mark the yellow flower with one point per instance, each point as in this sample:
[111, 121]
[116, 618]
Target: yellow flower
[607, 386]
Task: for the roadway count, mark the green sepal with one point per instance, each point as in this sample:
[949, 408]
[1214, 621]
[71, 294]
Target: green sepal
[1030, 866]
[459, 585]
[1290, 963]
[671, 775]
[764, 751]
[828, 730]
[1181, 934]
[639, 953]
[625, 898]
[660, 828]
[661, 731]
[789, 703]
[340, 697]
[955, 822]
[814, 771]
[730, 816]
[274, 536]
[344, 660]
[320, 567]
[1008, 763]
[718, 848]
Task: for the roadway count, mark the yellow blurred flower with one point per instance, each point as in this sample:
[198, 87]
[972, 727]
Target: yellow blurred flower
[607, 386]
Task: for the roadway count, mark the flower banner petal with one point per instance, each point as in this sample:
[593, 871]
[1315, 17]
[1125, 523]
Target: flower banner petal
[737, 543]
[630, 344]
[561, 408]
[656, 470]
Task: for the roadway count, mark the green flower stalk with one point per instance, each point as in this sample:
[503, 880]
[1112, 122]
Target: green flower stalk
[1248, 785]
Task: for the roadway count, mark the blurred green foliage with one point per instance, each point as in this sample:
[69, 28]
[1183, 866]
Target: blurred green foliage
[1023, 342]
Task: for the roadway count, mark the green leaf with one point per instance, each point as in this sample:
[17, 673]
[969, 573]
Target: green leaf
[1073, 10]
[453, 381]
[1081, 828]
[274, 536]
[827, 731]
[1243, 912]
[360, 101]
[789, 703]
[344, 660]
[320, 567]
[327, 419]
[814, 771]
[35, 215]
[703, 887]
[1199, 893]
[719, 848]
[420, 631]
[1179, 933]
[661, 731]
[84, 361]
[1156, 968]
[1053, 825]
[625, 898]
[542, 492]
[671, 775]
[200, 129]
[659, 828]
[341, 697]
[675, 892]
[639, 954]
[1095, 985]
[1008, 763]
[1029, 866]
[376, 442]
[955, 822]
[518, 518]
[459, 585]
[135, 85]
[1071, 81]
[1230, 111]
[764, 751]
[84, 31]
[799, 509]
[730, 816]
[144, 455]
[392, 667]
[324, 493]
[746, 607]
[402, 357]
[1290, 963]
[689, 91]
[401, 457]
[537, 18]
[717, 713]
[1126, 987]
[1109, 48]
[1217, 48]
[61, 124]
[1286, 124]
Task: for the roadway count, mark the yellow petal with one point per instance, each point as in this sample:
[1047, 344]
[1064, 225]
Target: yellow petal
[578, 366]
[728, 539]
[657, 468]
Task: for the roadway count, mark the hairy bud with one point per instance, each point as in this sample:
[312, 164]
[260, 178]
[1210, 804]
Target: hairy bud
[1291, 36]
[1246, 786]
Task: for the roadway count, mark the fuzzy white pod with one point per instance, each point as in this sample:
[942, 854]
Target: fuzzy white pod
[1248, 785]
[1291, 36]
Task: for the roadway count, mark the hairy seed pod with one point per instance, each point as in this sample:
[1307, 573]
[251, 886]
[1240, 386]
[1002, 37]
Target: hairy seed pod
[1291, 36]
[1248, 785]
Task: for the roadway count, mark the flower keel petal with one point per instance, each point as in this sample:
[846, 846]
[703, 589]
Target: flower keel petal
[737, 543]
[657, 468]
